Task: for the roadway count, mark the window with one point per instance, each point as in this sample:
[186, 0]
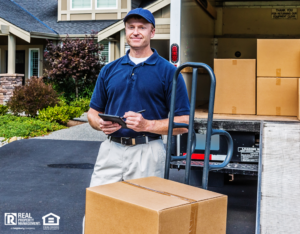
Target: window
[105, 4]
[105, 52]
[34, 56]
[0, 61]
[81, 4]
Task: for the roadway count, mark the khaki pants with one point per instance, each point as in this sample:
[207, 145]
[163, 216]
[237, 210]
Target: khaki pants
[116, 162]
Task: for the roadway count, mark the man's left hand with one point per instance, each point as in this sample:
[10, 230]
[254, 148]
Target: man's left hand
[136, 121]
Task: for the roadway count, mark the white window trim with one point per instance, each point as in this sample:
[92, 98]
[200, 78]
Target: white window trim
[29, 60]
[108, 53]
[80, 9]
[108, 61]
[108, 8]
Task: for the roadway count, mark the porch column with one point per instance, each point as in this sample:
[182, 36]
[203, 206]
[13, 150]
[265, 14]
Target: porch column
[122, 42]
[112, 51]
[11, 60]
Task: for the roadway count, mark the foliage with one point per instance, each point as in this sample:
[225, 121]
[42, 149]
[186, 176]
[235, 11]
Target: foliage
[77, 59]
[60, 114]
[25, 127]
[3, 110]
[62, 101]
[33, 96]
[66, 89]
[83, 103]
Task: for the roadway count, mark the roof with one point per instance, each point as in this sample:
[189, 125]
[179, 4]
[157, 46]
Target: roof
[146, 3]
[141, 3]
[41, 16]
[12, 13]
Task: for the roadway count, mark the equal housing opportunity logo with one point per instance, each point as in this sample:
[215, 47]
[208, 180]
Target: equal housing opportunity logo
[51, 222]
[17, 220]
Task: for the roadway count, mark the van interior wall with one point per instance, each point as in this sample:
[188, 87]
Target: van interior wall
[236, 30]
[239, 29]
[197, 33]
[162, 47]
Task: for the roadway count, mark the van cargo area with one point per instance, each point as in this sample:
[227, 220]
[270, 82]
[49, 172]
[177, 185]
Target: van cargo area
[230, 30]
[254, 50]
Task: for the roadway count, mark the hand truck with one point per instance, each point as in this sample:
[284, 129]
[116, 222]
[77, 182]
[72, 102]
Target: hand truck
[191, 140]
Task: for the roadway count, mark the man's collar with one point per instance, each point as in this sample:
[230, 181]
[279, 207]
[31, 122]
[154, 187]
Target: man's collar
[150, 61]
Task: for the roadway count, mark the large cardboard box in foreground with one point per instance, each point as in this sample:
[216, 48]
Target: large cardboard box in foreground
[236, 85]
[278, 57]
[277, 96]
[154, 205]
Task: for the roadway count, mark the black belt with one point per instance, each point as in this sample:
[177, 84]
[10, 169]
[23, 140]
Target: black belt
[133, 141]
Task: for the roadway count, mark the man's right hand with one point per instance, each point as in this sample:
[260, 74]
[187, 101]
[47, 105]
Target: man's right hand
[109, 127]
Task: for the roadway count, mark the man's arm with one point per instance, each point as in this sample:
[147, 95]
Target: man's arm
[136, 122]
[99, 124]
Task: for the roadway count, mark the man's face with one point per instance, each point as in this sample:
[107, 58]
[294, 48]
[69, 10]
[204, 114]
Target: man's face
[138, 32]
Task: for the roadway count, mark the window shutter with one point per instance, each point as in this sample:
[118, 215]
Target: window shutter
[81, 4]
[106, 3]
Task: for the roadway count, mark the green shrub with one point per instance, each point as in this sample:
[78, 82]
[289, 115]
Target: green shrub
[60, 114]
[33, 96]
[83, 103]
[62, 101]
[3, 110]
[25, 127]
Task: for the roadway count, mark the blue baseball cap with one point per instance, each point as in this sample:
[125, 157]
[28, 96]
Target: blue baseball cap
[146, 14]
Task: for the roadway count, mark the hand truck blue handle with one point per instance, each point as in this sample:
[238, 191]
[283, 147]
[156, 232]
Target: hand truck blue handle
[229, 150]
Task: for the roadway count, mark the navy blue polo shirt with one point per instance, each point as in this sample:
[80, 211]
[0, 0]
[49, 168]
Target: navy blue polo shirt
[124, 86]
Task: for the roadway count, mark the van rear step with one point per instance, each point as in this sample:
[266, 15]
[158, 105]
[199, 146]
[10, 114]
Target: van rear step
[231, 168]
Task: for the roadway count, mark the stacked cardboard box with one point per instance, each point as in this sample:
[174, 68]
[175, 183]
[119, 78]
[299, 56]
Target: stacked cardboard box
[275, 91]
[235, 86]
[278, 71]
[154, 205]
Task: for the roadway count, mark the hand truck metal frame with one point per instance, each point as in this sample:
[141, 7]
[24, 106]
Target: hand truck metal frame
[191, 140]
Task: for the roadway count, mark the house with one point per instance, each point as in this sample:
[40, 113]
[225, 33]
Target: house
[26, 24]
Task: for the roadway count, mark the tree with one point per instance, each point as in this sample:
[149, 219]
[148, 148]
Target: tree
[78, 59]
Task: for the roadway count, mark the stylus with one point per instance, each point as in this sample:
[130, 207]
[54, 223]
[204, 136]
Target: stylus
[141, 111]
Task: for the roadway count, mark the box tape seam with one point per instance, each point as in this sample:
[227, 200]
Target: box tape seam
[234, 110]
[278, 72]
[278, 81]
[278, 110]
[193, 203]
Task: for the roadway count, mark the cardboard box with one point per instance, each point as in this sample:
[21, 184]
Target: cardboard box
[277, 96]
[236, 84]
[154, 205]
[298, 99]
[278, 58]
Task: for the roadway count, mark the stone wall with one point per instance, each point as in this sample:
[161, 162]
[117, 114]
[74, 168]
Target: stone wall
[8, 82]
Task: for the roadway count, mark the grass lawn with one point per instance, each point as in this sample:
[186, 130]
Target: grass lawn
[25, 127]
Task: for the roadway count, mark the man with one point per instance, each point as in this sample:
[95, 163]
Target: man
[139, 80]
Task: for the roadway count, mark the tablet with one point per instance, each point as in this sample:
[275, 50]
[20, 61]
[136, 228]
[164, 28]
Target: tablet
[114, 119]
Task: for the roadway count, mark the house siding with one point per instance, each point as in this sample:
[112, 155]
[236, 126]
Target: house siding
[65, 13]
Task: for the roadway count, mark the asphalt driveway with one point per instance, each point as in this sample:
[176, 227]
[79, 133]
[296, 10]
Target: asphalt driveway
[29, 185]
